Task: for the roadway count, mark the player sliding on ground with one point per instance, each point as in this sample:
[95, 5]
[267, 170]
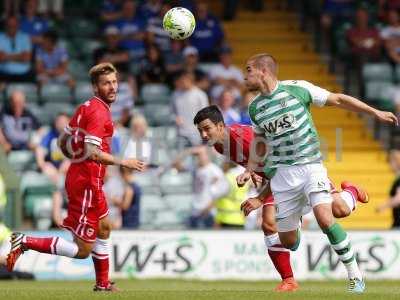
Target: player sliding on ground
[281, 117]
[235, 143]
[87, 143]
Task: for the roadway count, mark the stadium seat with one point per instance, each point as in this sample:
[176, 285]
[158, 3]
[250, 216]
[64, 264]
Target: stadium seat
[83, 91]
[21, 160]
[83, 27]
[29, 89]
[86, 47]
[155, 93]
[35, 188]
[180, 202]
[78, 70]
[158, 114]
[377, 72]
[176, 183]
[168, 219]
[147, 183]
[40, 208]
[56, 93]
[152, 202]
[378, 90]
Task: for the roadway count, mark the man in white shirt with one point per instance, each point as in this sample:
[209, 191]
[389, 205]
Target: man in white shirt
[187, 100]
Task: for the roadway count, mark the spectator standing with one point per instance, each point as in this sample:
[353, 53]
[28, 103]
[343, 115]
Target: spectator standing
[130, 204]
[32, 24]
[15, 53]
[208, 36]
[225, 75]
[17, 124]
[187, 100]
[52, 62]
[132, 27]
[191, 65]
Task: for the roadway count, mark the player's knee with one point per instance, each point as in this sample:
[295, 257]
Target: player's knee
[104, 230]
[268, 227]
[291, 241]
[83, 252]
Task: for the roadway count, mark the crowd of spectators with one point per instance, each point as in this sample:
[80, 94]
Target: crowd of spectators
[199, 71]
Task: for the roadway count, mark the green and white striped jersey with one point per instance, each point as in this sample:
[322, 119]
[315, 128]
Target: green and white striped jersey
[284, 118]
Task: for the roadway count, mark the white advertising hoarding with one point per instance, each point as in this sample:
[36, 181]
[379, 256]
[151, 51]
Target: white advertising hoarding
[221, 255]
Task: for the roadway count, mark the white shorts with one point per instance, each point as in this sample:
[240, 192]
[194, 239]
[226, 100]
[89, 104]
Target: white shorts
[292, 187]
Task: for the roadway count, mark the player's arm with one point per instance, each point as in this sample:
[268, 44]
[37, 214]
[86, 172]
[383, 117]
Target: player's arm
[353, 104]
[94, 153]
[256, 202]
[258, 152]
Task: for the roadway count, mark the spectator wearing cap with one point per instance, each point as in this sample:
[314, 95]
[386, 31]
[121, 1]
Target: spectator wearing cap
[225, 103]
[32, 24]
[132, 28]
[174, 59]
[187, 99]
[52, 62]
[112, 52]
[191, 64]
[17, 124]
[225, 75]
[208, 36]
[15, 53]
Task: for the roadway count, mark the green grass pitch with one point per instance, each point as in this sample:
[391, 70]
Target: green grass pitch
[188, 290]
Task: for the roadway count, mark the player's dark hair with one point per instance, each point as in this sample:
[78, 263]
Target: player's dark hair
[101, 69]
[211, 112]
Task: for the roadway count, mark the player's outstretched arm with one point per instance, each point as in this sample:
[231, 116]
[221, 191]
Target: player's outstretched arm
[353, 104]
[256, 202]
[94, 153]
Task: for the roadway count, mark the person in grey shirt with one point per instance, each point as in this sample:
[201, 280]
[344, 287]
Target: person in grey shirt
[187, 100]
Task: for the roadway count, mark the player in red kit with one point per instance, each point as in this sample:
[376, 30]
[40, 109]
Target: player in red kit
[236, 142]
[86, 142]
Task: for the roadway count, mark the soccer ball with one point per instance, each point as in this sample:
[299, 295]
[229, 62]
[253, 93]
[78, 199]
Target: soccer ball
[179, 23]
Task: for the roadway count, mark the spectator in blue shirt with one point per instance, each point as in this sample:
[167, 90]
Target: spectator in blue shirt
[244, 108]
[15, 53]
[32, 24]
[49, 157]
[17, 124]
[111, 10]
[130, 204]
[150, 8]
[225, 104]
[155, 30]
[208, 35]
[52, 62]
[132, 28]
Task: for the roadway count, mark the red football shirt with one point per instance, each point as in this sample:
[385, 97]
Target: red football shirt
[238, 148]
[91, 123]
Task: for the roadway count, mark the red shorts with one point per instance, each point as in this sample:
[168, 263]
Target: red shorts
[86, 206]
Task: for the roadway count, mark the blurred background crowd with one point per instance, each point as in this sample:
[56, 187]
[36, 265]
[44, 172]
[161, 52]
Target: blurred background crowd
[47, 48]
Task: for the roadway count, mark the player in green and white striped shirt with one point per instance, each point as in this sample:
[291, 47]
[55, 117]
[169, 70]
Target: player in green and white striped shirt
[281, 116]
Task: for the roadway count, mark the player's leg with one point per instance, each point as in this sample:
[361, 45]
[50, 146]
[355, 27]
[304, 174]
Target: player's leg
[100, 256]
[345, 202]
[279, 256]
[51, 245]
[337, 237]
